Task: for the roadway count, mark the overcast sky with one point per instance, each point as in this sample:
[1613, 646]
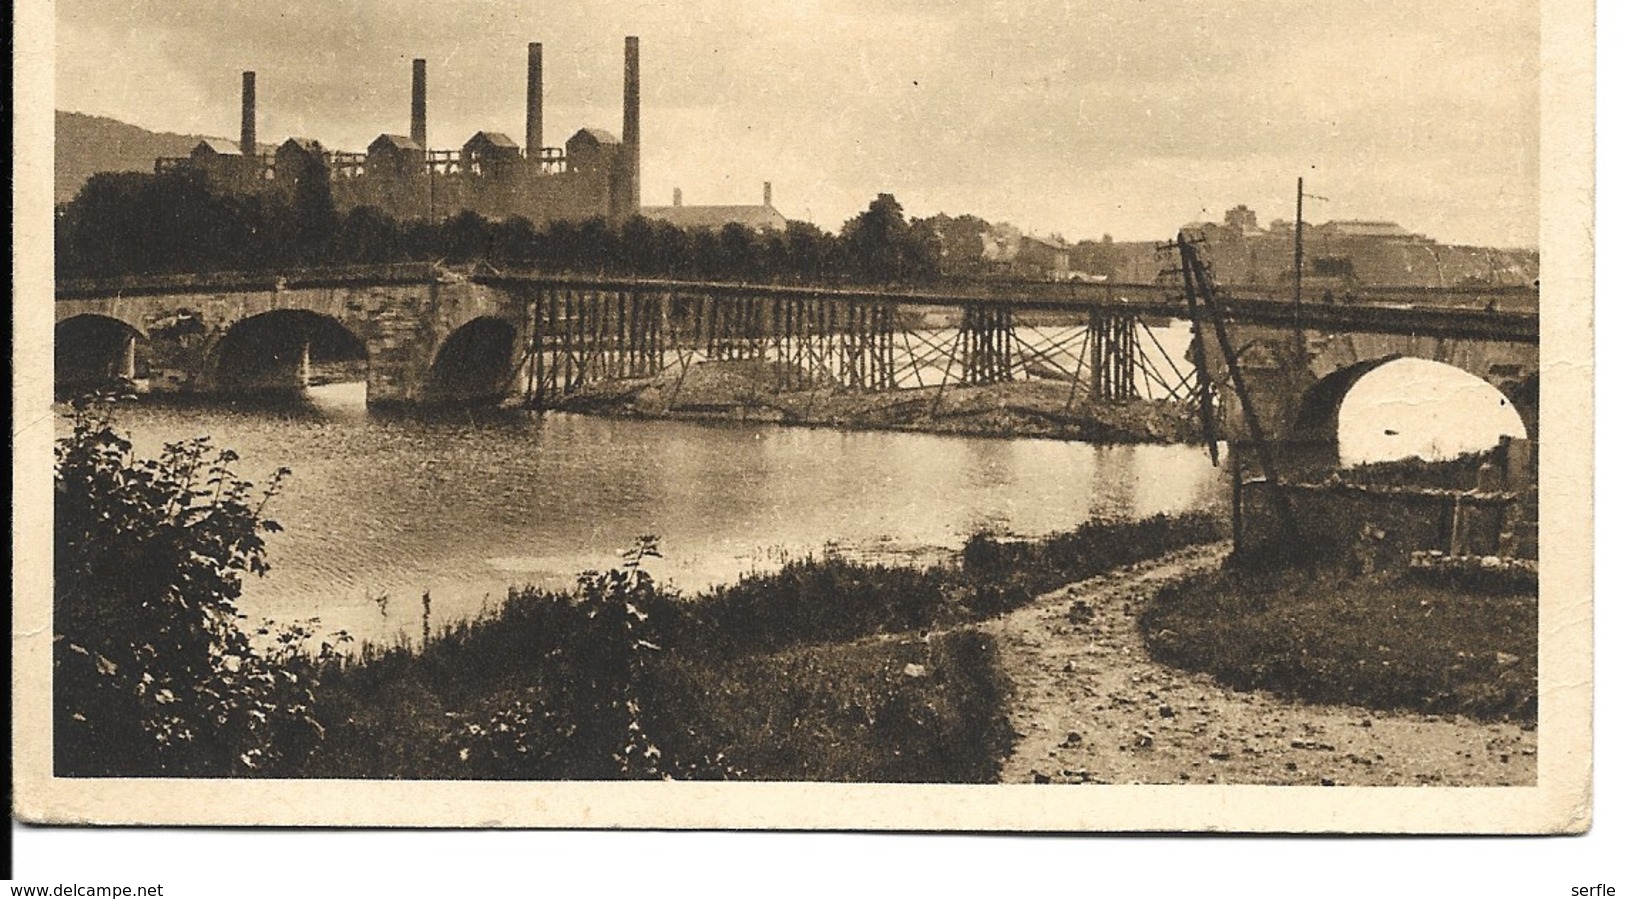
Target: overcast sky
[1083, 117]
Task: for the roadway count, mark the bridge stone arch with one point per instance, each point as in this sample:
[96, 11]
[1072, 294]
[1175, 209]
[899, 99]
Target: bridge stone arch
[274, 351]
[476, 363]
[1297, 386]
[1321, 405]
[93, 351]
[1525, 396]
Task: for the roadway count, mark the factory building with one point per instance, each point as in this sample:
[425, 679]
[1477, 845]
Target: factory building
[595, 174]
[762, 219]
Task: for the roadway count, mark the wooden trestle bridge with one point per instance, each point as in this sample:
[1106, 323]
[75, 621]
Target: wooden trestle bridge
[585, 334]
[1100, 338]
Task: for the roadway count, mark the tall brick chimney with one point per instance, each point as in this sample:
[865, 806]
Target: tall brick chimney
[533, 103]
[677, 196]
[631, 144]
[767, 193]
[420, 102]
[249, 145]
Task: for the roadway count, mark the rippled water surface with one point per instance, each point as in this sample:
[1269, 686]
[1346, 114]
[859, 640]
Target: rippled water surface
[463, 508]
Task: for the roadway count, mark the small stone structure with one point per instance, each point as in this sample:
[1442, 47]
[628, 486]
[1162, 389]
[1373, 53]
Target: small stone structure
[1384, 526]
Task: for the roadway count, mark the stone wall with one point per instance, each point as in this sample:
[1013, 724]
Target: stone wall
[1387, 524]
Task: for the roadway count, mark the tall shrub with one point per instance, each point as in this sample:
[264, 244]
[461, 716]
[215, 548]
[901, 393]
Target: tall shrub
[154, 674]
[584, 717]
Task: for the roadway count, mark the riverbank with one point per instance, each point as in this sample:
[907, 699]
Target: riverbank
[1026, 662]
[1092, 702]
[746, 391]
[825, 670]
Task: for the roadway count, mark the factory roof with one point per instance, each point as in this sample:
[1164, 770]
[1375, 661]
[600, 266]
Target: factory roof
[395, 141]
[597, 134]
[307, 144]
[1045, 242]
[217, 146]
[757, 218]
[493, 138]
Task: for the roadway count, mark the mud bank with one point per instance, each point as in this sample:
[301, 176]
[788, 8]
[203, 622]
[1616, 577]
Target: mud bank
[747, 391]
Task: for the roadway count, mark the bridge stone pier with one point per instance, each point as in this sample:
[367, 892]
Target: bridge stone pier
[1297, 387]
[425, 336]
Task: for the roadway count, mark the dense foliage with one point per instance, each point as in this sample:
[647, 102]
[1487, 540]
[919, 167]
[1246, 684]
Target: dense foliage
[135, 223]
[581, 715]
[153, 672]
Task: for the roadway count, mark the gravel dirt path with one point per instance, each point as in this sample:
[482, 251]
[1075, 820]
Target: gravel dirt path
[1090, 706]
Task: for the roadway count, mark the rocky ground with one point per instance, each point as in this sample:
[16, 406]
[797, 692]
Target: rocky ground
[1091, 706]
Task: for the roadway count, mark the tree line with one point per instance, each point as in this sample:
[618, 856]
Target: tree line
[130, 223]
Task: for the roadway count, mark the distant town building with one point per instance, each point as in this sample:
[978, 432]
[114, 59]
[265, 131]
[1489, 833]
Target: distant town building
[1355, 228]
[1338, 256]
[1243, 221]
[1007, 251]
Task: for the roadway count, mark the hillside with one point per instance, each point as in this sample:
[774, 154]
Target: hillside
[88, 144]
[1268, 260]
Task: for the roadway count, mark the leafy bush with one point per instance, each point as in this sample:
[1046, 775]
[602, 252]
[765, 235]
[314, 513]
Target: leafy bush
[1459, 473]
[582, 717]
[153, 673]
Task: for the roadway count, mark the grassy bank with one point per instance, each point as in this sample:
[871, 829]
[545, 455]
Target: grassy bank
[1385, 640]
[821, 671]
[882, 710]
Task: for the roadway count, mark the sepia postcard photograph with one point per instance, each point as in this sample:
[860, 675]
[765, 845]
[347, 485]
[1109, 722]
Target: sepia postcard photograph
[1041, 415]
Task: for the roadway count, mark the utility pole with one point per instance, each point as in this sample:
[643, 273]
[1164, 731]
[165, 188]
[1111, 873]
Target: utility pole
[1297, 259]
[1297, 267]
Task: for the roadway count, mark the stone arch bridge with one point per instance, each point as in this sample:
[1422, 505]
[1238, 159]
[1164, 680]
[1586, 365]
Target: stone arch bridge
[424, 334]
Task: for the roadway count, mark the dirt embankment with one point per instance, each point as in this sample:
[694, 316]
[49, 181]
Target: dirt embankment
[751, 391]
[1089, 705]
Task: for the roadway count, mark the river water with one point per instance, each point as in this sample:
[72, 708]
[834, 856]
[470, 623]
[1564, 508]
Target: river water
[380, 510]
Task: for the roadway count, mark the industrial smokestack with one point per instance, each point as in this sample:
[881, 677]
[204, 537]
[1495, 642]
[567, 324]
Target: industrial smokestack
[420, 102]
[533, 103]
[248, 146]
[767, 193]
[677, 196]
[630, 142]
